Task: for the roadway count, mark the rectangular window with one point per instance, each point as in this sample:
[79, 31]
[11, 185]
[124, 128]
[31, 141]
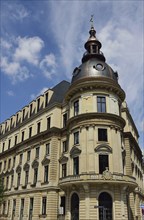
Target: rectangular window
[12, 177]
[28, 155]
[9, 143]
[38, 127]
[64, 120]
[64, 170]
[7, 182]
[31, 208]
[35, 175]
[46, 99]
[22, 138]
[23, 115]
[17, 118]
[76, 137]
[64, 146]
[3, 147]
[101, 104]
[20, 158]
[8, 206]
[103, 163]
[37, 152]
[4, 164]
[4, 207]
[44, 201]
[38, 104]
[14, 208]
[22, 209]
[18, 179]
[48, 149]
[76, 166]
[14, 158]
[30, 132]
[15, 139]
[9, 163]
[102, 134]
[31, 106]
[63, 204]
[46, 168]
[26, 177]
[48, 122]
[0, 167]
[76, 107]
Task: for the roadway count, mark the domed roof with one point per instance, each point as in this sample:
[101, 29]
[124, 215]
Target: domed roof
[93, 61]
[94, 68]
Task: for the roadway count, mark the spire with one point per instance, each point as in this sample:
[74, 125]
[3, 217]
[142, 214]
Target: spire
[92, 45]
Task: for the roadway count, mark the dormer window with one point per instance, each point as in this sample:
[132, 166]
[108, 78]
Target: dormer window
[31, 106]
[38, 104]
[46, 99]
[23, 114]
[17, 117]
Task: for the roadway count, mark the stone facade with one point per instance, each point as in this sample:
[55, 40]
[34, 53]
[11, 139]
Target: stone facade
[73, 152]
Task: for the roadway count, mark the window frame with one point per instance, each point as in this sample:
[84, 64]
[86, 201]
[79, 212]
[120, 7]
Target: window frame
[101, 104]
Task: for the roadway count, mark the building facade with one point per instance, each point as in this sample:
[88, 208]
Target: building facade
[73, 153]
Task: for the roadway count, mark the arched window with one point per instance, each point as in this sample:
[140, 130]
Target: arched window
[74, 207]
[105, 206]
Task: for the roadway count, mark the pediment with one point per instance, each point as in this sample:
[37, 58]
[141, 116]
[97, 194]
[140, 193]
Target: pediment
[75, 151]
[45, 161]
[26, 167]
[18, 169]
[63, 159]
[103, 148]
[35, 164]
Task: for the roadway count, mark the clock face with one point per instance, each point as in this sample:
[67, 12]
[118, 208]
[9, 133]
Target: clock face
[99, 66]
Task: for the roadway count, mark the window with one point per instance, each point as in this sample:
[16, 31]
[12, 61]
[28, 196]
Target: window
[14, 208]
[35, 175]
[103, 163]
[17, 118]
[8, 206]
[48, 149]
[76, 166]
[28, 155]
[18, 179]
[101, 104]
[64, 120]
[26, 177]
[12, 177]
[0, 167]
[22, 209]
[30, 132]
[63, 204]
[93, 48]
[22, 139]
[4, 164]
[11, 121]
[76, 107]
[4, 207]
[76, 137]
[102, 134]
[44, 201]
[15, 139]
[38, 127]
[46, 168]
[23, 114]
[3, 147]
[31, 106]
[31, 208]
[64, 146]
[14, 158]
[37, 152]
[7, 182]
[38, 104]
[64, 170]
[48, 122]
[9, 143]
[9, 163]
[46, 99]
[20, 158]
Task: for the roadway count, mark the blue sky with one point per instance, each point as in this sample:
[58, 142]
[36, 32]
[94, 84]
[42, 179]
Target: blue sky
[42, 42]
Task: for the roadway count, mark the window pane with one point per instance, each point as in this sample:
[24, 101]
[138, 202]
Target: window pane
[102, 134]
[101, 104]
[103, 163]
[76, 107]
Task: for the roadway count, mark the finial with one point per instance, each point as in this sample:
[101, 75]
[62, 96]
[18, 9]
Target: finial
[91, 20]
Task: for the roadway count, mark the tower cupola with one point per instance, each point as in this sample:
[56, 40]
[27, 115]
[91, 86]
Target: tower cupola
[92, 47]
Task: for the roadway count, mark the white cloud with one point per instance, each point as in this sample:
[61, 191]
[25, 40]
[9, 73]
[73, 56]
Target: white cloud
[10, 93]
[48, 65]
[5, 44]
[29, 49]
[33, 96]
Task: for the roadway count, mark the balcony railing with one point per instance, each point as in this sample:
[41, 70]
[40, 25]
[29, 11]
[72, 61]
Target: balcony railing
[96, 178]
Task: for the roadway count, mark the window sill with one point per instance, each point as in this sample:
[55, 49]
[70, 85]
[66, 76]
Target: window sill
[43, 216]
[45, 183]
[24, 187]
[33, 185]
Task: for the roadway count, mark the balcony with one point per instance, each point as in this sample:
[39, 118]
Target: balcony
[109, 178]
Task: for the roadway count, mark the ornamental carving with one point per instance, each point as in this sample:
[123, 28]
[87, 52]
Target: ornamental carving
[45, 161]
[75, 151]
[103, 148]
[35, 164]
[107, 175]
[18, 169]
[63, 159]
[26, 167]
